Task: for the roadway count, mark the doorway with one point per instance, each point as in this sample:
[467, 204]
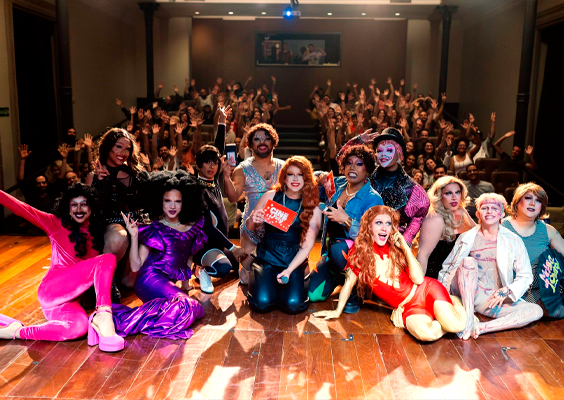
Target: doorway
[34, 42]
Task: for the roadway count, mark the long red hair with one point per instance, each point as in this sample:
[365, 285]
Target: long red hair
[363, 256]
[310, 192]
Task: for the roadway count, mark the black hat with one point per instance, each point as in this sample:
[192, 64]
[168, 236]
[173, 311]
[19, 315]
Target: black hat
[391, 134]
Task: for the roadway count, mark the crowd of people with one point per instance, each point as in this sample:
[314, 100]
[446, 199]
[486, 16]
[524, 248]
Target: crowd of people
[150, 205]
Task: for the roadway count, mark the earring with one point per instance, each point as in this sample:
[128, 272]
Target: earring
[285, 187]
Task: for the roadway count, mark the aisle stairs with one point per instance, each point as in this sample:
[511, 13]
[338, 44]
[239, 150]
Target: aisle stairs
[298, 141]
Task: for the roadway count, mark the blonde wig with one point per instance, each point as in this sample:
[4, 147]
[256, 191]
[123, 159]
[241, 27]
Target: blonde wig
[435, 194]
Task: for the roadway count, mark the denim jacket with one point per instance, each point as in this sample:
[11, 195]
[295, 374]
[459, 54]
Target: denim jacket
[512, 260]
[355, 208]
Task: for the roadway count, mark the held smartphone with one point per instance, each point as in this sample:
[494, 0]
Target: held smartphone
[231, 153]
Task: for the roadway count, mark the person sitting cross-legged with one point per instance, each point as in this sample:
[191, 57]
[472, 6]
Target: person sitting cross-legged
[490, 270]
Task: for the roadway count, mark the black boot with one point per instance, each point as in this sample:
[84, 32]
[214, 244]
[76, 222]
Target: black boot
[353, 303]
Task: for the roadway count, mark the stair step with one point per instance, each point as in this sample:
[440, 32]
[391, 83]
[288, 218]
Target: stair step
[298, 136]
[299, 142]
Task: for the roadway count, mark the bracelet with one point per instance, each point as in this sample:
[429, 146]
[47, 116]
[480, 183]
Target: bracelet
[348, 223]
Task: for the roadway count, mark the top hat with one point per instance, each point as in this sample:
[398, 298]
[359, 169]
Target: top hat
[391, 134]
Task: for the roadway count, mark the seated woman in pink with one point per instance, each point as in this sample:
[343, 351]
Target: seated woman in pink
[382, 263]
[76, 237]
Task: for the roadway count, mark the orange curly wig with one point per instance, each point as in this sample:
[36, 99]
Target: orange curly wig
[363, 256]
[310, 192]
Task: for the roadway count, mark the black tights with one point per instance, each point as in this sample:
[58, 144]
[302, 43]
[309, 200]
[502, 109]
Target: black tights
[266, 294]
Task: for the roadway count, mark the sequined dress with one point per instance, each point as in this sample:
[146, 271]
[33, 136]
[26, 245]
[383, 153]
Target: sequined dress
[167, 311]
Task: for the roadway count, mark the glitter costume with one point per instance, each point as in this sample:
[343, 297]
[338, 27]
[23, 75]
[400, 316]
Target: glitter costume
[399, 191]
[255, 187]
[167, 310]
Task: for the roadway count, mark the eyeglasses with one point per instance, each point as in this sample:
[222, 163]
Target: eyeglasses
[262, 139]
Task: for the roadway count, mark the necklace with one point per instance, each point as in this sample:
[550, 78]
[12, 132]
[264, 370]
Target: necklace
[170, 223]
[206, 182]
[347, 191]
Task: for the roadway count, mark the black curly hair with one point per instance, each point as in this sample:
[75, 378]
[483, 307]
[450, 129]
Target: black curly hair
[96, 225]
[108, 141]
[362, 152]
[155, 184]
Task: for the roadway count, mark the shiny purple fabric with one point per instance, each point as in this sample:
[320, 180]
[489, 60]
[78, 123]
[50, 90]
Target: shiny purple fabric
[170, 249]
[168, 312]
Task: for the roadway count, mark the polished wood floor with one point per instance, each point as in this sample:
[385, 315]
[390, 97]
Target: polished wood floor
[236, 353]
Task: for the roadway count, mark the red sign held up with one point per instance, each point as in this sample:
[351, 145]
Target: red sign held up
[330, 186]
[278, 216]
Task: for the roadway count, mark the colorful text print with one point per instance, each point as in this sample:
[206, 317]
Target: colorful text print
[549, 274]
[278, 216]
[330, 186]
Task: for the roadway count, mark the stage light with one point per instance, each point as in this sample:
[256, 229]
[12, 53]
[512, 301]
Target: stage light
[363, 14]
[397, 14]
[292, 11]
[329, 14]
[230, 12]
[197, 13]
[263, 13]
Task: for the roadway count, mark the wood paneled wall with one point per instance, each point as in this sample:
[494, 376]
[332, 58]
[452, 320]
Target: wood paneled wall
[226, 48]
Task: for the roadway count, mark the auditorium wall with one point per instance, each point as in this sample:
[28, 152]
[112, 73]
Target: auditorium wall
[490, 67]
[105, 61]
[226, 48]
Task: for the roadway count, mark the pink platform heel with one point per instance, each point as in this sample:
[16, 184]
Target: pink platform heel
[6, 321]
[109, 344]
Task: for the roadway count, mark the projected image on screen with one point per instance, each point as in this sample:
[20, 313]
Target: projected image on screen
[298, 49]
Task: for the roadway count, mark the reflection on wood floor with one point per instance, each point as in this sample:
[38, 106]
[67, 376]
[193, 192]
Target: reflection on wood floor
[236, 353]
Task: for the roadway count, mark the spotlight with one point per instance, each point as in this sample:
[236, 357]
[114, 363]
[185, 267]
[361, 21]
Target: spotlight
[398, 14]
[292, 11]
[230, 12]
[329, 14]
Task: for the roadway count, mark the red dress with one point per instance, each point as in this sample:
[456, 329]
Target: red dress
[423, 300]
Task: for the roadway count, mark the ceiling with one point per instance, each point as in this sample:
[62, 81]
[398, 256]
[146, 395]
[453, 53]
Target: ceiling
[369, 9]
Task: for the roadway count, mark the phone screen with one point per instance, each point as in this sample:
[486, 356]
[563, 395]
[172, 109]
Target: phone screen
[231, 153]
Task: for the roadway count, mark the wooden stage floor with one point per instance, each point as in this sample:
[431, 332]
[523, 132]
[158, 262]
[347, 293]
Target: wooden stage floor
[236, 353]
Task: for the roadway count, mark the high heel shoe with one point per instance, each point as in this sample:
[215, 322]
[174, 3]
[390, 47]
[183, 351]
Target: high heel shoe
[108, 344]
[6, 321]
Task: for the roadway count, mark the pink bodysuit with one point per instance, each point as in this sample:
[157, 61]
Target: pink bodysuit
[67, 279]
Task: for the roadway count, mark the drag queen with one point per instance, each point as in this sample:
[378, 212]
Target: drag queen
[543, 244]
[116, 181]
[162, 254]
[278, 272]
[490, 270]
[215, 261]
[382, 263]
[398, 190]
[76, 238]
[353, 197]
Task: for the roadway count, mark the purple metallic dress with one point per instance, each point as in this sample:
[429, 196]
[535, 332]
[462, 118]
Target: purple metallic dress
[167, 312]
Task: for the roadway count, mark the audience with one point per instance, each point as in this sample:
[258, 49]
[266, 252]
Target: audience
[476, 188]
[169, 133]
